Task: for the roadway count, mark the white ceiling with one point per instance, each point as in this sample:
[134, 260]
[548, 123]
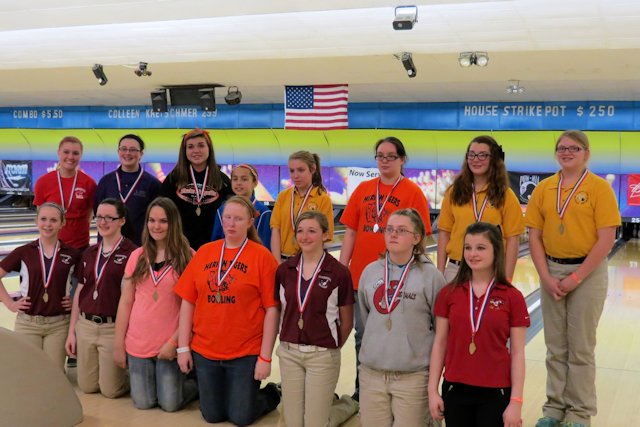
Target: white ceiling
[558, 49]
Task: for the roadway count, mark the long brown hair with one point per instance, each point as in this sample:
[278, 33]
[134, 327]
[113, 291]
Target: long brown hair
[180, 172]
[497, 181]
[252, 233]
[312, 160]
[177, 250]
[493, 234]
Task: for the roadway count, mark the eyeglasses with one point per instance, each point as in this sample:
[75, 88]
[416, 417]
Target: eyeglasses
[107, 219]
[401, 231]
[481, 156]
[572, 149]
[129, 150]
[390, 157]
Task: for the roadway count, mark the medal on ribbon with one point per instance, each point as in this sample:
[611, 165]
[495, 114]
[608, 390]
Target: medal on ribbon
[157, 278]
[395, 292]
[131, 190]
[380, 208]
[65, 206]
[99, 271]
[46, 275]
[302, 302]
[475, 325]
[221, 276]
[199, 194]
[478, 214]
[563, 209]
[304, 202]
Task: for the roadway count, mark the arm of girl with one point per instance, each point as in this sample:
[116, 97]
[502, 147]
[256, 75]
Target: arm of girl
[512, 416]
[348, 242]
[269, 332]
[168, 349]
[21, 305]
[127, 297]
[275, 244]
[185, 324]
[436, 366]
[536, 247]
[599, 251]
[512, 250]
[443, 241]
[70, 343]
[345, 313]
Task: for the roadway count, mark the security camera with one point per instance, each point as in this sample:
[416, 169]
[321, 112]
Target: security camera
[98, 71]
[142, 70]
[406, 16]
[407, 63]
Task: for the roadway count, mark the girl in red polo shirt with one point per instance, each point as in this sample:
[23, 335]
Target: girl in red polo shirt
[317, 316]
[229, 320]
[475, 317]
[95, 303]
[147, 322]
[45, 267]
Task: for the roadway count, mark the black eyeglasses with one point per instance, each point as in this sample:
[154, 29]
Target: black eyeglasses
[107, 219]
[129, 150]
[572, 149]
[390, 157]
[481, 156]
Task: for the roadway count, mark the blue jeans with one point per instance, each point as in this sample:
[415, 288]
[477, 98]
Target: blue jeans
[157, 382]
[228, 391]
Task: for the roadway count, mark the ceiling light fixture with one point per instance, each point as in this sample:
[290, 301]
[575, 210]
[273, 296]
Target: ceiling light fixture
[98, 71]
[406, 16]
[514, 87]
[159, 101]
[407, 62]
[142, 70]
[467, 59]
[233, 96]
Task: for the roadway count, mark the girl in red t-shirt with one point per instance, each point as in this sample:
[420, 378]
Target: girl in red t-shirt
[229, 320]
[147, 321]
[475, 317]
[43, 303]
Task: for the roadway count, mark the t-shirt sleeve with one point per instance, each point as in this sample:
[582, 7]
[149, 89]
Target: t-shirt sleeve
[441, 308]
[275, 215]
[351, 214]
[606, 212]
[326, 207]
[131, 263]
[268, 281]
[185, 287]
[345, 288]
[512, 219]
[533, 217]
[519, 315]
[12, 261]
[446, 219]
[38, 192]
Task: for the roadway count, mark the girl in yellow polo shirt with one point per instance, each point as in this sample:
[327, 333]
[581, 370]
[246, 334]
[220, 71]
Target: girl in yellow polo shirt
[480, 192]
[572, 218]
[307, 194]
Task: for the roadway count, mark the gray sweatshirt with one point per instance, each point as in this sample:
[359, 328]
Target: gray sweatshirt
[406, 346]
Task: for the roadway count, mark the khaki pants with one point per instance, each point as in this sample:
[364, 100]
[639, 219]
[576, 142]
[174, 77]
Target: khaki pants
[308, 382]
[397, 399]
[46, 333]
[570, 335]
[96, 368]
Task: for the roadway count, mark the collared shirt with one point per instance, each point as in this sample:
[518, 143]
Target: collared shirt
[332, 290]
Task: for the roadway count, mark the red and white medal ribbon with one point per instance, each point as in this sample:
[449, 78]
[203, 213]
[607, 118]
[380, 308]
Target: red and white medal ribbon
[562, 209]
[478, 215]
[387, 282]
[46, 276]
[380, 208]
[304, 202]
[199, 194]
[123, 198]
[65, 206]
[302, 302]
[99, 271]
[475, 325]
[226, 273]
[158, 278]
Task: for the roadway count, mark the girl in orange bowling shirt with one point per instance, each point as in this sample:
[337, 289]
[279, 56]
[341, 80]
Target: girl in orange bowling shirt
[229, 305]
[572, 218]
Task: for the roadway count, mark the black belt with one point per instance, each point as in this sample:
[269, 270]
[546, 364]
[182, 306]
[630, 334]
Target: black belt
[455, 262]
[99, 319]
[568, 261]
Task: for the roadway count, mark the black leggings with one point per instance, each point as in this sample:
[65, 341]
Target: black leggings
[471, 406]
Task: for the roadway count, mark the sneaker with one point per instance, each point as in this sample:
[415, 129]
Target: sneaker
[548, 422]
[571, 424]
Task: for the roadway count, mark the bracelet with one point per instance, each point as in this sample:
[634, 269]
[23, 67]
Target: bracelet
[575, 277]
[262, 359]
[172, 342]
[183, 349]
[518, 399]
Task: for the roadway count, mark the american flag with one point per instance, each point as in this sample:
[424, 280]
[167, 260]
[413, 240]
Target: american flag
[320, 107]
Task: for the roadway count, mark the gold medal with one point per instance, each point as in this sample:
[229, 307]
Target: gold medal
[95, 295]
[300, 323]
[198, 211]
[155, 295]
[45, 297]
[472, 347]
[561, 228]
[218, 297]
[389, 323]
